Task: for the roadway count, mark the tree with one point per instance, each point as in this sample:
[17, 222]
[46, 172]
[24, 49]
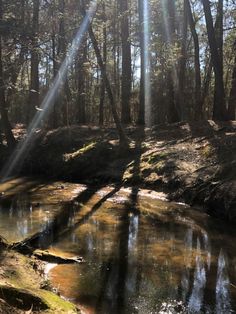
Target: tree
[34, 71]
[141, 118]
[126, 63]
[182, 63]
[104, 51]
[81, 99]
[122, 136]
[173, 110]
[219, 108]
[6, 126]
[232, 97]
[198, 99]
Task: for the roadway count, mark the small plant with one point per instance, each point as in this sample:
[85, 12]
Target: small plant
[207, 151]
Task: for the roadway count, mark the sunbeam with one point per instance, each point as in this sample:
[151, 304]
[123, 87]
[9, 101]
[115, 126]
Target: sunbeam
[147, 84]
[24, 146]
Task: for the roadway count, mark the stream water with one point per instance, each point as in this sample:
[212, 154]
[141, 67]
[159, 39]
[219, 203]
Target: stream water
[142, 254]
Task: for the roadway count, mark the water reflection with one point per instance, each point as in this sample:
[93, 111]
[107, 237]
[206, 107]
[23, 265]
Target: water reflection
[135, 262]
[223, 302]
[19, 218]
[196, 298]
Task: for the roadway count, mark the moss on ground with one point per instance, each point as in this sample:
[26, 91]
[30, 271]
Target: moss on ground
[21, 279]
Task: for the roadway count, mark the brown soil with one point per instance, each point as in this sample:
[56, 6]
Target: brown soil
[24, 288]
[192, 162]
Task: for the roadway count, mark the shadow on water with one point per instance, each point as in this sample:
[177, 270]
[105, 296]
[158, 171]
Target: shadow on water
[119, 269]
[64, 222]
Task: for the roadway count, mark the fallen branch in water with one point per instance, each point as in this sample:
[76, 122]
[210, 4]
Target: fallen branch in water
[54, 258]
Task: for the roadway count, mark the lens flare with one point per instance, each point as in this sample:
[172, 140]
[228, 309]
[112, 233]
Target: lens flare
[17, 157]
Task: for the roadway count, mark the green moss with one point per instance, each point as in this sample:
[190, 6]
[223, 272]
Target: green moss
[56, 304]
[80, 152]
[21, 287]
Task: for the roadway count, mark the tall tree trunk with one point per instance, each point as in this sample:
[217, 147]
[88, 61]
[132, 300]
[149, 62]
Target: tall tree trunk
[198, 114]
[5, 123]
[81, 98]
[169, 13]
[66, 94]
[219, 108]
[141, 117]
[232, 97]
[34, 71]
[103, 87]
[122, 136]
[182, 64]
[206, 81]
[54, 114]
[126, 63]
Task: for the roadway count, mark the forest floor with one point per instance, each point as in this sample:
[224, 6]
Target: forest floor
[190, 162]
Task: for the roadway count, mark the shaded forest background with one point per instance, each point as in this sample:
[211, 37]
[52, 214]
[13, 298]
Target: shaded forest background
[190, 60]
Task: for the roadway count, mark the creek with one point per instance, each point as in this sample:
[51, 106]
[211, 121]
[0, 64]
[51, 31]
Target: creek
[142, 254]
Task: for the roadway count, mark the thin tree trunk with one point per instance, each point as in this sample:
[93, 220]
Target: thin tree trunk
[5, 123]
[54, 115]
[126, 64]
[173, 111]
[103, 87]
[182, 64]
[122, 136]
[141, 113]
[82, 56]
[198, 114]
[232, 97]
[62, 54]
[34, 71]
[206, 82]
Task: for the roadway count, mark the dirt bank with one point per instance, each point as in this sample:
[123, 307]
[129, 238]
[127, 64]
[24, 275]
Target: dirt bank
[24, 288]
[191, 162]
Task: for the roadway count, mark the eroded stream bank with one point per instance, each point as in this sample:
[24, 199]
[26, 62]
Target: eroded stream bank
[193, 162]
[142, 254]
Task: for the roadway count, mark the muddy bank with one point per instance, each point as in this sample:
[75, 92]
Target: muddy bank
[24, 287]
[191, 162]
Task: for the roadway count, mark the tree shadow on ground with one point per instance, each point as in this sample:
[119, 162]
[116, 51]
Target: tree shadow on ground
[62, 224]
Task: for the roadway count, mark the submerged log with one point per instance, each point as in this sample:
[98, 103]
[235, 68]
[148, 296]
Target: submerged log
[54, 258]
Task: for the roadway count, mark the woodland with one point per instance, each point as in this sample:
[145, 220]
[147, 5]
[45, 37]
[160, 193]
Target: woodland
[118, 100]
